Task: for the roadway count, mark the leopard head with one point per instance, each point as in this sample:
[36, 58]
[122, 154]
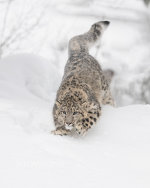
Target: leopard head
[73, 109]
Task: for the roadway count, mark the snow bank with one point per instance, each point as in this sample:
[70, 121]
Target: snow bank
[124, 47]
[115, 153]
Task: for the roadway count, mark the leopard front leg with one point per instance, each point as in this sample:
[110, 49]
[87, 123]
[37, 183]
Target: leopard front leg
[80, 129]
[61, 131]
[87, 122]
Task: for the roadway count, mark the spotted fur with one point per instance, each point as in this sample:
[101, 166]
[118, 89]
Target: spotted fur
[84, 87]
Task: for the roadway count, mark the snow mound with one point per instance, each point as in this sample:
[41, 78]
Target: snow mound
[115, 153]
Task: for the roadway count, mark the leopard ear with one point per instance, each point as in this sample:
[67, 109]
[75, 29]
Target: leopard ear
[56, 106]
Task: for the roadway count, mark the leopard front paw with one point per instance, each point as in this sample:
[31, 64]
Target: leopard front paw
[80, 129]
[61, 132]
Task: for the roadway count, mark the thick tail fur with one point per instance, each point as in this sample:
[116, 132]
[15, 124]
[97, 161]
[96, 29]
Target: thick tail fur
[81, 43]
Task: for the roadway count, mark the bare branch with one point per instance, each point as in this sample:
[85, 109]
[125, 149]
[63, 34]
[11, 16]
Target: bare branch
[20, 31]
[5, 20]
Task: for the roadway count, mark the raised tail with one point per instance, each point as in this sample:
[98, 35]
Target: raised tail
[81, 43]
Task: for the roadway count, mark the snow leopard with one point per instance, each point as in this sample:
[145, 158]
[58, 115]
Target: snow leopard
[84, 87]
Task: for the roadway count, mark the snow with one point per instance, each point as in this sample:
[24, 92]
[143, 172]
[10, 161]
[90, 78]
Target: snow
[115, 153]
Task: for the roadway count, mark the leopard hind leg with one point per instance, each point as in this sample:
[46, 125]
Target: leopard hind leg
[107, 99]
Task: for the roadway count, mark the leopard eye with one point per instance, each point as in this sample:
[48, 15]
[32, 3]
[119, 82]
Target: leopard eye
[64, 112]
[74, 113]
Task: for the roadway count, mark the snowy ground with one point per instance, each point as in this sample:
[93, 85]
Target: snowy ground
[115, 153]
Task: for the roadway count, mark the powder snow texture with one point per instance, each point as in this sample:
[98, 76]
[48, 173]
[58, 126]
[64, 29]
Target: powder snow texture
[115, 153]
[124, 48]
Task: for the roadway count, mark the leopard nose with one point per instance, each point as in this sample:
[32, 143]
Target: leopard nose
[69, 126]
[68, 120]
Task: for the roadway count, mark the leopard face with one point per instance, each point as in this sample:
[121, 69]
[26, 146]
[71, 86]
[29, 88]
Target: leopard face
[68, 109]
[79, 114]
[67, 117]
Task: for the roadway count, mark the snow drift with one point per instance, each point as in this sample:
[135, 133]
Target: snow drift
[115, 153]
